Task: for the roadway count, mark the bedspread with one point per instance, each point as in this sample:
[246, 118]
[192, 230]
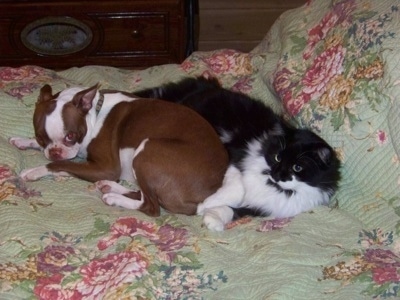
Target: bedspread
[331, 66]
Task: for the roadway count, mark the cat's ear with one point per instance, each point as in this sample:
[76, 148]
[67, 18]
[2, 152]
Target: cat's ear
[276, 130]
[325, 155]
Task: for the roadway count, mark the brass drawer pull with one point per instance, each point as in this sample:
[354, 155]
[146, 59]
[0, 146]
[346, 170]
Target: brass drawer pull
[135, 33]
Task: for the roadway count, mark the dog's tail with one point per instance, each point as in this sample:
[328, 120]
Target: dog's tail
[179, 91]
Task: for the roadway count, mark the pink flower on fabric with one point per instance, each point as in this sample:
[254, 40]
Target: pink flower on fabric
[243, 85]
[294, 105]
[319, 32]
[325, 67]
[50, 288]
[381, 137]
[341, 13]
[382, 258]
[328, 64]
[128, 226]
[170, 238]
[21, 91]
[18, 74]
[384, 275]
[222, 61]
[187, 65]
[5, 173]
[283, 82]
[108, 273]
[54, 259]
[207, 74]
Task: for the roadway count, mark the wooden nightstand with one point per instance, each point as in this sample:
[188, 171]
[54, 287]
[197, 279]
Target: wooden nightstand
[121, 33]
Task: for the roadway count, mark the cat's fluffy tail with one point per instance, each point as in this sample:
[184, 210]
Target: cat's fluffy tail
[177, 92]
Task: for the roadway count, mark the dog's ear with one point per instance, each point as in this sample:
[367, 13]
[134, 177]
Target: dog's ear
[84, 99]
[45, 94]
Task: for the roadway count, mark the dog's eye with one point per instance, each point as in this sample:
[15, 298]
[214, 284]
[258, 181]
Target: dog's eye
[277, 157]
[70, 137]
[297, 168]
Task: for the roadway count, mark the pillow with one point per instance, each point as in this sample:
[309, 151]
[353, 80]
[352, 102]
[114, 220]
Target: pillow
[334, 67]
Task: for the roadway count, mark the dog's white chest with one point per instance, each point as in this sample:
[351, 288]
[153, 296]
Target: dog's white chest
[126, 158]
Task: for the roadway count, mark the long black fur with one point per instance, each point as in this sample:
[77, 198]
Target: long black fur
[247, 119]
[226, 110]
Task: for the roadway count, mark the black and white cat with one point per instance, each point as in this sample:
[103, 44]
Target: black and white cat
[276, 170]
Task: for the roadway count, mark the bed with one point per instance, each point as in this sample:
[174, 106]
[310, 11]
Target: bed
[332, 66]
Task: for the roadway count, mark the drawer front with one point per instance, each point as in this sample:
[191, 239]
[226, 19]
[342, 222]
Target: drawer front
[6, 48]
[133, 33]
[121, 33]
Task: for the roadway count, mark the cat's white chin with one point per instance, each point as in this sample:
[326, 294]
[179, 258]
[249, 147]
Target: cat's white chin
[279, 204]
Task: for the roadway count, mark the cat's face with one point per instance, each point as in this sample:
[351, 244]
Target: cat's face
[300, 157]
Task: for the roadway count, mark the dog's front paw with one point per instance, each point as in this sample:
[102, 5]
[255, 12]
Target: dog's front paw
[34, 173]
[24, 143]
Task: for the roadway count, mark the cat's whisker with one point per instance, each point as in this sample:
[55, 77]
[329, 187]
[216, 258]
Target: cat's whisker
[282, 142]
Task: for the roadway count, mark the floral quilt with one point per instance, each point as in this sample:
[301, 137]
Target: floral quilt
[329, 65]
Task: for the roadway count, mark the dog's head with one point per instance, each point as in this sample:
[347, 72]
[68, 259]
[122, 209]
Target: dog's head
[60, 120]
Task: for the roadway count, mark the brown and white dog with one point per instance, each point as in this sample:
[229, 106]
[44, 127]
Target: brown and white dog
[174, 155]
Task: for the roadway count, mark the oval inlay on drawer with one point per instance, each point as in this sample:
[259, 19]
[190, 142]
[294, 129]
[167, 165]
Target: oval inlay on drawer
[56, 36]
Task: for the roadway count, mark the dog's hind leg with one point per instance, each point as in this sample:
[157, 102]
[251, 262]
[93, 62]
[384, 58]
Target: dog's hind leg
[172, 174]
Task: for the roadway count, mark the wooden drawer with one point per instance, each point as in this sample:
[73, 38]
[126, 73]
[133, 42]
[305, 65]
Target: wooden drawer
[120, 33]
[140, 32]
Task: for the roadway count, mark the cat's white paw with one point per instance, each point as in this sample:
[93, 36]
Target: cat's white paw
[200, 209]
[213, 222]
[216, 218]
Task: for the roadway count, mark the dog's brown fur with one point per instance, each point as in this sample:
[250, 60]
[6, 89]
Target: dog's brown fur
[182, 163]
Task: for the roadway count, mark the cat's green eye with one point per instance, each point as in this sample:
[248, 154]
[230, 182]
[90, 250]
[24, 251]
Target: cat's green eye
[297, 168]
[277, 158]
